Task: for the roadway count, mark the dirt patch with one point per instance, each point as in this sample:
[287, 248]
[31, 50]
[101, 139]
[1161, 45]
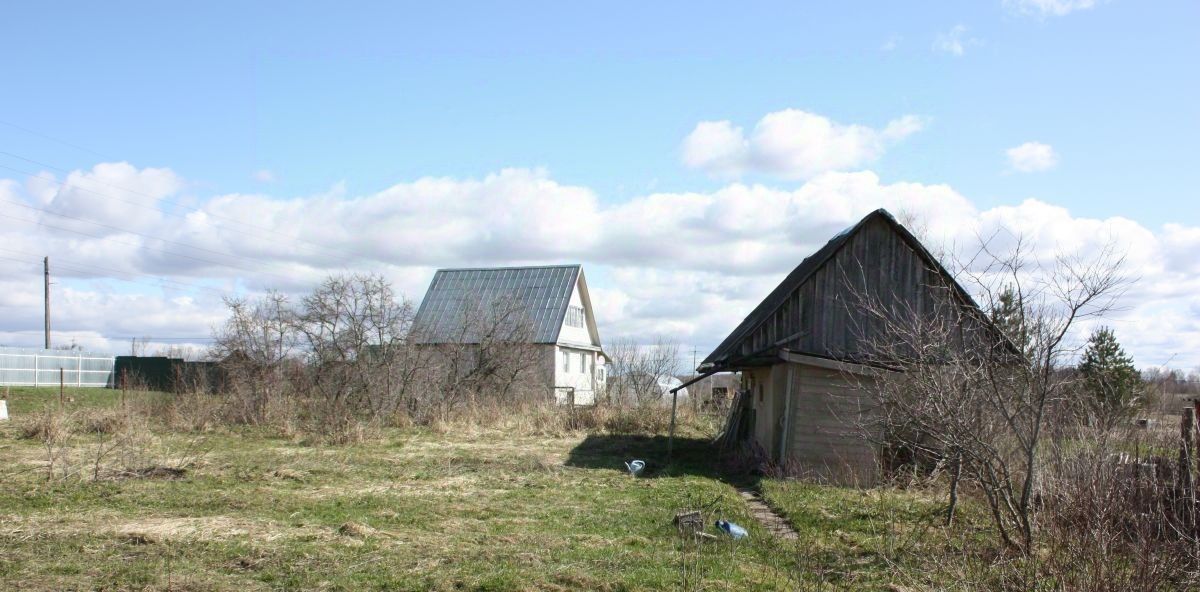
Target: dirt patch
[152, 473]
[357, 530]
[288, 474]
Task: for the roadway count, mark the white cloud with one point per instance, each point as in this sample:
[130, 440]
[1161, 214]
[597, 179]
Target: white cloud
[264, 176]
[791, 143]
[685, 264]
[955, 41]
[111, 193]
[1032, 157]
[1044, 8]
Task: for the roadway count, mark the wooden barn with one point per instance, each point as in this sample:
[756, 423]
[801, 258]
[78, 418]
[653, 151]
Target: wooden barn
[805, 353]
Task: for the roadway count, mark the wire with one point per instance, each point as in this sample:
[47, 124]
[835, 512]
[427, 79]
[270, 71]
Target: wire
[52, 138]
[321, 247]
[128, 231]
[88, 268]
[164, 251]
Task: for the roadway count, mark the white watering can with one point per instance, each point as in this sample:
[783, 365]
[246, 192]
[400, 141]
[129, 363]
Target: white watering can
[635, 467]
[3, 409]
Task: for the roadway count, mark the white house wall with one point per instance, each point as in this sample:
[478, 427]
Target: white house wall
[579, 365]
[569, 335]
[579, 369]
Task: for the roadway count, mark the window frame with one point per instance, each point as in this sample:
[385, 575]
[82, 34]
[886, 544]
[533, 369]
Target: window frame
[575, 316]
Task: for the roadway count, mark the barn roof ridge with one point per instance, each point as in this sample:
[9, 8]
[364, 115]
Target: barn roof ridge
[810, 266]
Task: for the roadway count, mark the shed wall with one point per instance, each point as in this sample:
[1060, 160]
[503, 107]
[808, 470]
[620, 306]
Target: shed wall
[828, 436]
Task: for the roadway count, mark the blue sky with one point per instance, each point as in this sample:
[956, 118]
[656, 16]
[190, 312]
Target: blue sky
[600, 95]
[289, 100]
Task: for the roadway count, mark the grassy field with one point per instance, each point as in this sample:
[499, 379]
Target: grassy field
[417, 509]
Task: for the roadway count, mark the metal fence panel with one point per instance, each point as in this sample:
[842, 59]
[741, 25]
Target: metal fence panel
[43, 367]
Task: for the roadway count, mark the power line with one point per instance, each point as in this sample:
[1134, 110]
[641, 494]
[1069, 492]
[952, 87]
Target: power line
[177, 204]
[64, 185]
[52, 138]
[126, 230]
[164, 251]
[89, 268]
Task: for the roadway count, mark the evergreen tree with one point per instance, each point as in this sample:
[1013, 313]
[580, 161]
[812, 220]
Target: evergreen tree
[1109, 378]
[1008, 315]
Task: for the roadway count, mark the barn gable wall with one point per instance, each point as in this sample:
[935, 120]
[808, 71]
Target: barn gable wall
[823, 315]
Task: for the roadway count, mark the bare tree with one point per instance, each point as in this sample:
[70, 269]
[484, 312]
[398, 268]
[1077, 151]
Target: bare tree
[254, 345]
[637, 372]
[485, 353]
[963, 393]
[354, 330]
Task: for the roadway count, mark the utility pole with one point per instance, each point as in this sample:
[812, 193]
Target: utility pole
[46, 267]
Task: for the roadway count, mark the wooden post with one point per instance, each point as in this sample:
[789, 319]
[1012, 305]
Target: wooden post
[46, 295]
[671, 432]
[1196, 433]
[1186, 426]
[572, 404]
[787, 413]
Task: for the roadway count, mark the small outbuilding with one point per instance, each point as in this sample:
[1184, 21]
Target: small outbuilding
[551, 302]
[805, 352]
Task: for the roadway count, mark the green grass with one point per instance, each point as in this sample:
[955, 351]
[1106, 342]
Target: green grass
[415, 510]
[870, 538]
[26, 399]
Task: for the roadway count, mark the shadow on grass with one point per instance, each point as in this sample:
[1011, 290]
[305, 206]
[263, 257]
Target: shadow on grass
[690, 456]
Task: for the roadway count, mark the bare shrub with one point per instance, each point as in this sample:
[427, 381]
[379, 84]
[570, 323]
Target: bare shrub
[1112, 521]
[486, 355]
[256, 347]
[95, 444]
[57, 435]
[637, 372]
[103, 421]
[637, 420]
[984, 395]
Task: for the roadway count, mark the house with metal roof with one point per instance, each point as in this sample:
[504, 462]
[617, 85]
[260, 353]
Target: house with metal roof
[553, 309]
[806, 352]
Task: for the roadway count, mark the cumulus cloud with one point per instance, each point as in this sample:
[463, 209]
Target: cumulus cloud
[1031, 157]
[791, 143]
[686, 264]
[110, 193]
[1044, 8]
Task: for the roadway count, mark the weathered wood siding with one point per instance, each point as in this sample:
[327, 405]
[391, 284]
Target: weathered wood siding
[826, 437]
[758, 382]
[823, 316]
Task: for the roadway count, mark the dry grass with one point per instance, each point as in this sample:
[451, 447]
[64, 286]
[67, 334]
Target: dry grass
[510, 503]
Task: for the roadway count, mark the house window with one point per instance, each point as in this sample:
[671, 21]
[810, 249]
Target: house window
[600, 374]
[574, 316]
[566, 361]
[583, 363]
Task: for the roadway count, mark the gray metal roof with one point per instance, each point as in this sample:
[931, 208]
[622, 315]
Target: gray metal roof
[542, 293]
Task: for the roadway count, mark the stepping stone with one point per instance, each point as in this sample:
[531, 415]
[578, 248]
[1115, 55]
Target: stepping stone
[765, 515]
